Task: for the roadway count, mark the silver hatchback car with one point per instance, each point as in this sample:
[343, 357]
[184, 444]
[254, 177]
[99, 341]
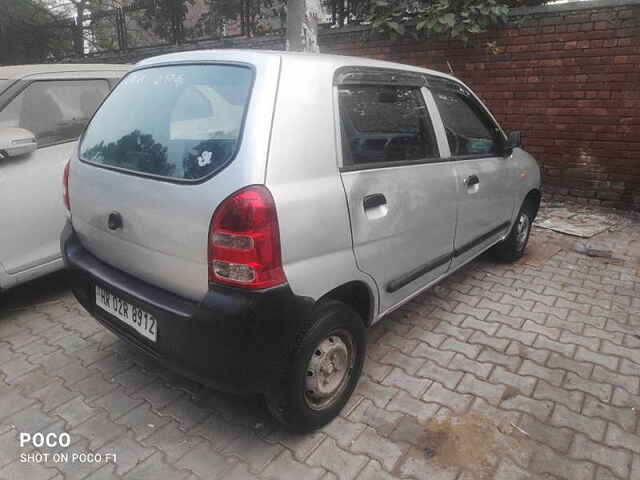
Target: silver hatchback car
[244, 216]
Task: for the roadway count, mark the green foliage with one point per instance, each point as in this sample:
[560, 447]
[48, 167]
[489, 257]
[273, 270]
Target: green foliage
[459, 19]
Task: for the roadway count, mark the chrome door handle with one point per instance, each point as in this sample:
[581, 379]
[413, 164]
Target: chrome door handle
[471, 181]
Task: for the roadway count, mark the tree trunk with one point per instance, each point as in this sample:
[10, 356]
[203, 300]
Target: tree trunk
[78, 30]
[302, 25]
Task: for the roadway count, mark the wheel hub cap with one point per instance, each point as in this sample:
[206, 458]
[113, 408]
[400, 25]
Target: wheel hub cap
[328, 371]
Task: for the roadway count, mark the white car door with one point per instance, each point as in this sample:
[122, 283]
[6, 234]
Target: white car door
[32, 213]
[401, 194]
[485, 204]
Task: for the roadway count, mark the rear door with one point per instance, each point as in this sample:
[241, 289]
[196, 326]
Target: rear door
[165, 148]
[32, 214]
[401, 195]
[475, 142]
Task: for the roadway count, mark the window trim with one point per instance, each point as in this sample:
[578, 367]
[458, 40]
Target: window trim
[483, 113]
[163, 178]
[345, 167]
[21, 85]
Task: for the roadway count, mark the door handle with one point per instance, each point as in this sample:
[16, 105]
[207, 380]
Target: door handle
[471, 181]
[373, 201]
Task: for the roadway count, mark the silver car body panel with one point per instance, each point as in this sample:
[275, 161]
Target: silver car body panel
[291, 143]
[33, 215]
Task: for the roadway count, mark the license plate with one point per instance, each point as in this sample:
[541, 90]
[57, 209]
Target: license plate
[141, 321]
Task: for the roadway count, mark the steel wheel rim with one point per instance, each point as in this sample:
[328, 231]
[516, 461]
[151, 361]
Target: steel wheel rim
[329, 369]
[522, 230]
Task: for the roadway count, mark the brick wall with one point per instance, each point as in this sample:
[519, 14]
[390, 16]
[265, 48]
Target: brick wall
[568, 77]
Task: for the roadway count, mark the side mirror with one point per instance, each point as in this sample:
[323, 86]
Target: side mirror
[16, 141]
[515, 139]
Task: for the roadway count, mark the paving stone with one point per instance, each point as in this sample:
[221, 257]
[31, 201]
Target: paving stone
[546, 391]
[142, 421]
[374, 446]
[592, 427]
[408, 430]
[488, 328]
[404, 403]
[508, 361]
[581, 368]
[98, 430]
[413, 385]
[441, 357]
[455, 401]
[76, 411]
[31, 471]
[618, 461]
[301, 445]
[285, 467]
[375, 370]
[521, 336]
[116, 403]
[155, 468]
[343, 464]
[496, 343]
[528, 353]
[489, 392]
[185, 411]
[565, 349]
[343, 431]
[445, 376]
[463, 364]
[520, 383]
[557, 438]
[551, 333]
[608, 361]
[546, 461]
[254, 451]
[602, 391]
[553, 376]
[415, 465]
[374, 471]
[541, 409]
[206, 463]
[466, 349]
[630, 383]
[598, 333]
[616, 437]
[623, 417]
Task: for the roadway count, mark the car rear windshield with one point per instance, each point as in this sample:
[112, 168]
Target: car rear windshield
[3, 83]
[180, 122]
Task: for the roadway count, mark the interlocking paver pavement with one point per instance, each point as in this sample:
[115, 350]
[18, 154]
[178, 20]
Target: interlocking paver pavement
[549, 356]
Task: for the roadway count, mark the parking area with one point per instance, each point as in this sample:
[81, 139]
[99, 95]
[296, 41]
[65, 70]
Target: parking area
[507, 372]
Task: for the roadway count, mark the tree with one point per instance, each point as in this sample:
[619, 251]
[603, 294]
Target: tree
[302, 25]
[452, 18]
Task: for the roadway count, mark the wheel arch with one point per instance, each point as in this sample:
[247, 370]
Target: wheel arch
[533, 197]
[358, 296]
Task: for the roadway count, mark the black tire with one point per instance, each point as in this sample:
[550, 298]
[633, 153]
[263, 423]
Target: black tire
[291, 405]
[512, 248]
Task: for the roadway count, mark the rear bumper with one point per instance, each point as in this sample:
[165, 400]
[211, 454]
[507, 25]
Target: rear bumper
[233, 340]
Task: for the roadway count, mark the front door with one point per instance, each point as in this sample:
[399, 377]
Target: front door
[32, 214]
[401, 195]
[474, 140]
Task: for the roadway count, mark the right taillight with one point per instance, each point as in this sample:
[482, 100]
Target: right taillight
[244, 241]
[65, 187]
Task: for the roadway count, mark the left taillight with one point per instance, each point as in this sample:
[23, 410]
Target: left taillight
[244, 241]
[65, 187]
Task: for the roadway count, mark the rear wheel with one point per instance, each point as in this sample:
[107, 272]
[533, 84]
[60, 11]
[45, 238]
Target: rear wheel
[325, 368]
[512, 248]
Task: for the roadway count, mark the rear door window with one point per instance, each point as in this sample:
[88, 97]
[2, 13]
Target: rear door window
[56, 111]
[181, 122]
[382, 124]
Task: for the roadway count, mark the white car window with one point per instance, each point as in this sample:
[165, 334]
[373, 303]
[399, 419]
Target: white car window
[55, 111]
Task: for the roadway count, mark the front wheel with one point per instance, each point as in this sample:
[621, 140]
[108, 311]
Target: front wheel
[512, 248]
[325, 368]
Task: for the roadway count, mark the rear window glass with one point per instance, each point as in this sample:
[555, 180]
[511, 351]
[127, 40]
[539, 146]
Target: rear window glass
[3, 83]
[182, 122]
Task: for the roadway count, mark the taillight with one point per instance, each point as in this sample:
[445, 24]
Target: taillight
[244, 242]
[65, 187]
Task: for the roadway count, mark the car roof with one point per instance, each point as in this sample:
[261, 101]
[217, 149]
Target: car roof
[333, 61]
[15, 72]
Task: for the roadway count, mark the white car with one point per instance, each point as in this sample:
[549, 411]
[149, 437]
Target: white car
[43, 110]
